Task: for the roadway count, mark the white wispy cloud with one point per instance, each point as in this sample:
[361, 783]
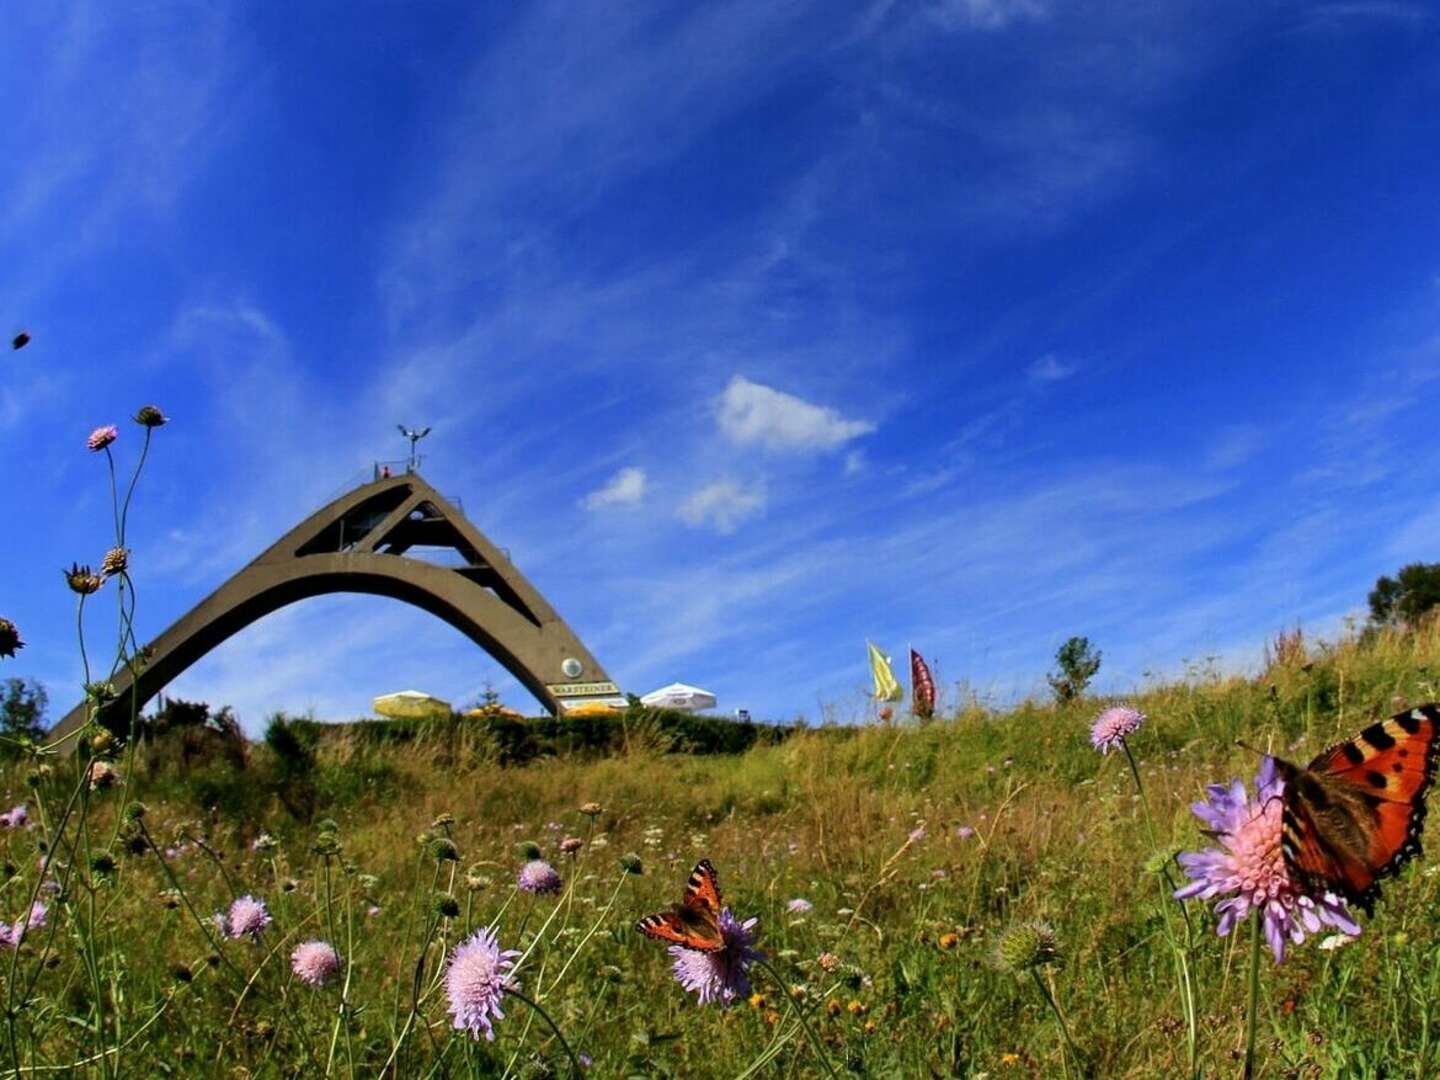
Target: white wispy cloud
[1344, 15]
[625, 488]
[751, 413]
[1049, 369]
[123, 107]
[986, 14]
[723, 505]
[1235, 446]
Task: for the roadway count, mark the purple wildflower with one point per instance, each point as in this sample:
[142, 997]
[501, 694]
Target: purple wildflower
[15, 818]
[247, 918]
[1113, 725]
[964, 832]
[11, 936]
[475, 981]
[315, 962]
[571, 844]
[538, 876]
[720, 976]
[102, 437]
[799, 906]
[1251, 866]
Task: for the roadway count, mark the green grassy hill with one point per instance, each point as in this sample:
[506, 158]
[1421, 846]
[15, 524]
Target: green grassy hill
[915, 846]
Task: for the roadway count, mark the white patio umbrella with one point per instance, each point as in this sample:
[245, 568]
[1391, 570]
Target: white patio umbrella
[410, 705]
[679, 696]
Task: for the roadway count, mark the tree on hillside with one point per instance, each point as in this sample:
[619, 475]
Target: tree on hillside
[1401, 600]
[22, 710]
[1078, 663]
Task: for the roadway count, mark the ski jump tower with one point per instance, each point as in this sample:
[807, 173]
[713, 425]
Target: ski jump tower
[359, 544]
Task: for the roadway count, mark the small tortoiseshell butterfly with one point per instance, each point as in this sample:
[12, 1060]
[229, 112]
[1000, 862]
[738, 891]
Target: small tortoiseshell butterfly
[1354, 816]
[695, 921]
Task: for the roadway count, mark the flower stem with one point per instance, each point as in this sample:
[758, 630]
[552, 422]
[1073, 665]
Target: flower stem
[1179, 951]
[1253, 1006]
[574, 1061]
[599, 919]
[815, 1042]
[1060, 1018]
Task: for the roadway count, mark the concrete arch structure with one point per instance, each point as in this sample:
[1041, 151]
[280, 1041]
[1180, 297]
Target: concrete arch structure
[359, 544]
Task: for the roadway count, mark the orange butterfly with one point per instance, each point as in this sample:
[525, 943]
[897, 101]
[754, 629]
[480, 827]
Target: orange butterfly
[1354, 816]
[695, 921]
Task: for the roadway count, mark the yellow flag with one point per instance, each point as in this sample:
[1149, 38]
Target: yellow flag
[886, 686]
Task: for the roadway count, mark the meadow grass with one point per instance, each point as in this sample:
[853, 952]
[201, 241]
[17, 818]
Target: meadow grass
[916, 846]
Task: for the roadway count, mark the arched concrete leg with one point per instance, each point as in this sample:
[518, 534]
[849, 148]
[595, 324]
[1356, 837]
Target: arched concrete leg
[358, 544]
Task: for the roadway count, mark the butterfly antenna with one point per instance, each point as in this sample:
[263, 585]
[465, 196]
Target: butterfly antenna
[1246, 746]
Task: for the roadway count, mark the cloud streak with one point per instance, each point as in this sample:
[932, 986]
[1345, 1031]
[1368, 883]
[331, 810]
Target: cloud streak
[625, 488]
[752, 414]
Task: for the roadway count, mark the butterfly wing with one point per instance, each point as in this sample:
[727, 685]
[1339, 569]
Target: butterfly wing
[703, 888]
[680, 926]
[694, 923]
[1355, 816]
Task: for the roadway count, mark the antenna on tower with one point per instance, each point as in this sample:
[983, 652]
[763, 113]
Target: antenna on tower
[414, 437]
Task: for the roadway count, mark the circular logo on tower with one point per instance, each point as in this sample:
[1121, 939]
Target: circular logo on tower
[572, 667]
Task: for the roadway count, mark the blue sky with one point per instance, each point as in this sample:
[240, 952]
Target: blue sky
[750, 329]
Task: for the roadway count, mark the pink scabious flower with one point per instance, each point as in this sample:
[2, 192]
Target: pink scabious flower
[475, 981]
[1249, 868]
[315, 962]
[964, 832]
[571, 844]
[102, 437]
[102, 775]
[248, 917]
[720, 976]
[538, 876]
[15, 818]
[11, 936]
[799, 906]
[1112, 727]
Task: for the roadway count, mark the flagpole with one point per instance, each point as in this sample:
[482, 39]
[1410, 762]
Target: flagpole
[869, 663]
[910, 663]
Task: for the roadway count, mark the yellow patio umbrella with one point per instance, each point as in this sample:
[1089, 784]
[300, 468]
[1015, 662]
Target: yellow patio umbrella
[593, 708]
[410, 705]
[494, 710]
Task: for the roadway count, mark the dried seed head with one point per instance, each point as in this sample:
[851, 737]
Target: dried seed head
[443, 849]
[9, 638]
[116, 561]
[82, 580]
[102, 865]
[1027, 946]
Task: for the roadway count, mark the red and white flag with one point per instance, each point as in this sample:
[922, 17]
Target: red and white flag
[922, 687]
